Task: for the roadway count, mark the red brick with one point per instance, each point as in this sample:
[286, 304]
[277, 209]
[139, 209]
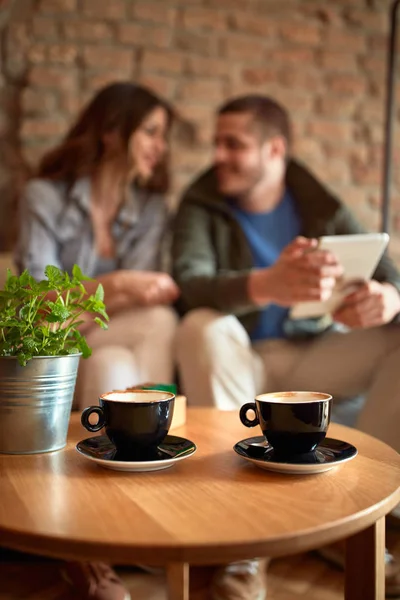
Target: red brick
[233, 5]
[18, 35]
[245, 22]
[291, 55]
[326, 129]
[51, 77]
[347, 84]
[71, 104]
[295, 101]
[161, 84]
[336, 170]
[371, 110]
[58, 6]
[95, 81]
[367, 19]
[353, 195]
[103, 57]
[104, 9]
[378, 43]
[136, 34]
[308, 149]
[37, 53]
[201, 90]
[369, 218]
[338, 106]
[204, 18]
[154, 12]
[193, 112]
[201, 117]
[356, 3]
[259, 75]
[32, 153]
[205, 66]
[374, 64]
[335, 38]
[196, 160]
[303, 78]
[326, 14]
[195, 42]
[301, 33]
[90, 31]
[242, 48]
[43, 28]
[338, 61]
[373, 132]
[366, 173]
[42, 128]
[162, 62]
[63, 54]
[36, 102]
[377, 87]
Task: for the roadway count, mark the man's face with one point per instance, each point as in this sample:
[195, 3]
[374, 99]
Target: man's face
[240, 155]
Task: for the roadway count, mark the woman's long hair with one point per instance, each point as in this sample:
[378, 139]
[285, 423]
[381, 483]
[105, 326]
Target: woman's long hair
[119, 107]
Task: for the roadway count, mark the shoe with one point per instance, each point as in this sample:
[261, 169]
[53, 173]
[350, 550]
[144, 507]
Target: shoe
[245, 580]
[334, 553]
[94, 581]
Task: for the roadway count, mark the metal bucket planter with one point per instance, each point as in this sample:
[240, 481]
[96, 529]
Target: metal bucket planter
[35, 403]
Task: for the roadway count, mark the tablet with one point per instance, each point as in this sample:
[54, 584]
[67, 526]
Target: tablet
[359, 254]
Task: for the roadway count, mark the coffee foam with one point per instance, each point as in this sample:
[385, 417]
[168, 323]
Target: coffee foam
[139, 397]
[293, 397]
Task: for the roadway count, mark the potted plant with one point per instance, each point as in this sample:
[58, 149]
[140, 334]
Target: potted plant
[40, 347]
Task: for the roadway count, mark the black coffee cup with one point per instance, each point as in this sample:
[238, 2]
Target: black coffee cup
[135, 421]
[292, 422]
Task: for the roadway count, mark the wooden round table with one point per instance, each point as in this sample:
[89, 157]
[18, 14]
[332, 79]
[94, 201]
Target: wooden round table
[211, 508]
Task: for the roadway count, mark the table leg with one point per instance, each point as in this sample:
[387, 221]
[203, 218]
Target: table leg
[178, 581]
[365, 564]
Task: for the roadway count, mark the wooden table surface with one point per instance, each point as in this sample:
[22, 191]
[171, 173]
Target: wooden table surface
[211, 508]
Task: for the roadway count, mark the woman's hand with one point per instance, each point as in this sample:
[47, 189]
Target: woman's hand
[140, 288]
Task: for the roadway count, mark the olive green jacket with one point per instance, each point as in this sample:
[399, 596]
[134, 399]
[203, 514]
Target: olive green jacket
[212, 258]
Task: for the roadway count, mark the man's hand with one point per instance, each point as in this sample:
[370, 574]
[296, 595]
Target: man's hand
[302, 273]
[372, 305]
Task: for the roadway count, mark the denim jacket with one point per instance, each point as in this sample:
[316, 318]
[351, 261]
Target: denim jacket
[56, 228]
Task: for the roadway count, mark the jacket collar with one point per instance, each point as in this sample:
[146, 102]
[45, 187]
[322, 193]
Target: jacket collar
[129, 211]
[313, 201]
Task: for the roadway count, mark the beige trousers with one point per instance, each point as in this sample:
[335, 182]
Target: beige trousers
[136, 348]
[220, 367]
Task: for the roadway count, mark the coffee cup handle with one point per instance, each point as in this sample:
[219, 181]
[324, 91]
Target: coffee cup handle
[85, 418]
[243, 414]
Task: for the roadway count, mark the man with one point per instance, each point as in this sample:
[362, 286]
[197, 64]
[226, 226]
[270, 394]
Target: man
[244, 252]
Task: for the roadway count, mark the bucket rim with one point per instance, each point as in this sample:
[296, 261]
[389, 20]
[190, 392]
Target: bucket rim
[74, 354]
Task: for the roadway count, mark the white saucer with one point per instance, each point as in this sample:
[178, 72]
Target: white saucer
[329, 453]
[100, 450]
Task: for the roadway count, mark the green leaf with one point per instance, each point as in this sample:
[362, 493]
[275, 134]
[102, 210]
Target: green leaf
[59, 313]
[78, 275]
[32, 325]
[54, 275]
[101, 323]
[99, 295]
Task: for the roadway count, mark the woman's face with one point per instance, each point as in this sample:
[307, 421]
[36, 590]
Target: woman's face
[148, 143]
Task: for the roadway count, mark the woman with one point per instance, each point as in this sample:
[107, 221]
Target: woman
[98, 201]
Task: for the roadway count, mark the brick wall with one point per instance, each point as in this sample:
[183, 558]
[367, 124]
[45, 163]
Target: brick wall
[325, 61]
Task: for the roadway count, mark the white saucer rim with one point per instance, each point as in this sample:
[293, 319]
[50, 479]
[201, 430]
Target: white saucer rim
[138, 463]
[296, 469]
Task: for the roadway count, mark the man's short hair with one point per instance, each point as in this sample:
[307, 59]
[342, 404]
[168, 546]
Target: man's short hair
[273, 118]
